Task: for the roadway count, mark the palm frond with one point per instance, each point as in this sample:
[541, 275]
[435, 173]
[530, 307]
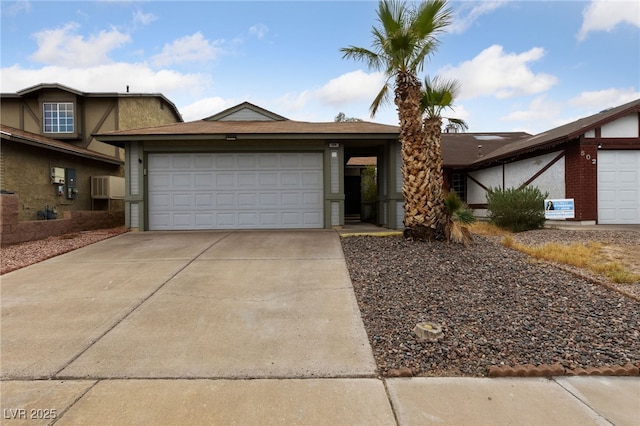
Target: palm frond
[464, 216]
[457, 123]
[439, 94]
[382, 98]
[372, 59]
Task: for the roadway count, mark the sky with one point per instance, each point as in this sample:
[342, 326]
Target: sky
[522, 65]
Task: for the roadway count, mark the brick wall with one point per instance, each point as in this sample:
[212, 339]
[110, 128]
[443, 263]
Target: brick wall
[581, 179]
[13, 231]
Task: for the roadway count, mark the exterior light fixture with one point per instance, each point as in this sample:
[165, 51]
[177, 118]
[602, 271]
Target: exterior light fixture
[231, 137]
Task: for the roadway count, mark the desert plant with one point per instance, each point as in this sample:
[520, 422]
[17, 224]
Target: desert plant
[459, 216]
[516, 209]
[408, 34]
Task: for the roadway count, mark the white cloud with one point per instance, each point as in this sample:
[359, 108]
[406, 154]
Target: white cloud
[602, 99]
[353, 86]
[605, 15]
[540, 109]
[63, 46]
[205, 107]
[470, 11]
[294, 101]
[345, 90]
[502, 75]
[140, 17]
[192, 48]
[259, 31]
[106, 78]
[15, 8]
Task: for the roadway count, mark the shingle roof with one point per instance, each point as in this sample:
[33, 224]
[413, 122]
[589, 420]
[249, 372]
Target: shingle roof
[29, 91]
[255, 129]
[461, 149]
[560, 134]
[33, 139]
[458, 149]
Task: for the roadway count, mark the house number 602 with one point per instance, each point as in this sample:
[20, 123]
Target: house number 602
[588, 157]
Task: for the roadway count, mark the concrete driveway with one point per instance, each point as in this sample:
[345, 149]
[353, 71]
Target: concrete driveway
[187, 305]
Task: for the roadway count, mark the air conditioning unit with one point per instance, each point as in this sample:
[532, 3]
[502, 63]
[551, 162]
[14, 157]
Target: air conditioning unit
[107, 187]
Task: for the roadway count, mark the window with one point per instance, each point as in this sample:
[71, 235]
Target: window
[459, 184]
[58, 117]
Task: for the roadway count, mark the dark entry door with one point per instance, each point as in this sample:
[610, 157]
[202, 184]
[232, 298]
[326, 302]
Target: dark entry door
[352, 195]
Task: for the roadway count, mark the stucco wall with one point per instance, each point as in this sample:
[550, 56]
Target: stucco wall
[137, 112]
[26, 172]
[514, 174]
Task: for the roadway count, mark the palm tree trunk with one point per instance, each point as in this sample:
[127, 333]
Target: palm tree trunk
[435, 187]
[415, 160]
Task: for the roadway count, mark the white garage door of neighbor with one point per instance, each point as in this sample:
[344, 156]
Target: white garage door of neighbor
[619, 187]
[235, 191]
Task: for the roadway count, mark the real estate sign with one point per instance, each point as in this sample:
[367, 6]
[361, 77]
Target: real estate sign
[559, 208]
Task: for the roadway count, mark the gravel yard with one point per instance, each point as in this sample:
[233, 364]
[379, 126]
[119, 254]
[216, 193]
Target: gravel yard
[496, 306]
[18, 256]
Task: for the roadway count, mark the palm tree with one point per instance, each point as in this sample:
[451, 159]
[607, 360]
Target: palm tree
[402, 42]
[436, 96]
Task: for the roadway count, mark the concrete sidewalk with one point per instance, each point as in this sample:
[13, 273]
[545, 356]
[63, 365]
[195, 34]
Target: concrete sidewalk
[237, 328]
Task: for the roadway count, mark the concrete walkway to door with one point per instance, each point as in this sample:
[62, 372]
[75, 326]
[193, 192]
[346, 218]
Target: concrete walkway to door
[243, 328]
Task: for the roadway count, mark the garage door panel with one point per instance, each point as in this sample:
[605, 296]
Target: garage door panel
[225, 161]
[203, 162]
[203, 180]
[159, 161]
[182, 162]
[311, 218]
[204, 220]
[247, 219]
[290, 179]
[268, 180]
[312, 200]
[235, 190]
[269, 199]
[248, 180]
[312, 179]
[268, 219]
[183, 201]
[248, 200]
[225, 201]
[268, 161]
[159, 181]
[619, 187]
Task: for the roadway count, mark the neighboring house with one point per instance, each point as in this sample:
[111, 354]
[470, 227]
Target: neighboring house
[249, 168]
[48, 150]
[595, 161]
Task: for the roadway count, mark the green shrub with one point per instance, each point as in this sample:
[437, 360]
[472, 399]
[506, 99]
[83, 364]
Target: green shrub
[516, 209]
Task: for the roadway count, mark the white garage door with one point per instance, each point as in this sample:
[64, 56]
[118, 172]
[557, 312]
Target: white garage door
[619, 187]
[235, 191]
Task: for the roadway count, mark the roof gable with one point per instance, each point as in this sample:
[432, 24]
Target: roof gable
[48, 86]
[562, 133]
[246, 112]
[27, 138]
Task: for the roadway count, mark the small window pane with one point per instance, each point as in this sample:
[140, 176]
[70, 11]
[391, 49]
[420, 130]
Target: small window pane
[58, 117]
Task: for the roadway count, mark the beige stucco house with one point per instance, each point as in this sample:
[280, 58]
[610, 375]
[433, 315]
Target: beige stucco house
[49, 153]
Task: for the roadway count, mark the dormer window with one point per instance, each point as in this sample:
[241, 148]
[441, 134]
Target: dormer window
[58, 117]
